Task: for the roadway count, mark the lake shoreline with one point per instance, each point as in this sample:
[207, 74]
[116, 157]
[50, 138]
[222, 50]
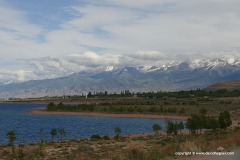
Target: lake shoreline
[98, 114]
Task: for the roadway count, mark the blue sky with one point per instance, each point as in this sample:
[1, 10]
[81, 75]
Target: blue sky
[51, 38]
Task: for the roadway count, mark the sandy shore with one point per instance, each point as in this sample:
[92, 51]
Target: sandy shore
[95, 114]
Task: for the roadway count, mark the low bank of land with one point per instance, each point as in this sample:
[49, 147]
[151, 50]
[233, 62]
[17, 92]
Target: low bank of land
[96, 114]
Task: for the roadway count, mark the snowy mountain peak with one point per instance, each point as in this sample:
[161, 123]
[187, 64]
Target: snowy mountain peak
[231, 61]
[146, 69]
[222, 62]
[204, 64]
[109, 68]
[197, 63]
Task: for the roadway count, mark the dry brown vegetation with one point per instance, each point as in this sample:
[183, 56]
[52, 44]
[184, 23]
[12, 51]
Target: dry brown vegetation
[143, 147]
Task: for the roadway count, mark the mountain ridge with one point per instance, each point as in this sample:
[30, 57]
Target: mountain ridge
[181, 75]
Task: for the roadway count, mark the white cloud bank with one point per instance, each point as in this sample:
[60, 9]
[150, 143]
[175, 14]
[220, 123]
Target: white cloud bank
[118, 33]
[54, 67]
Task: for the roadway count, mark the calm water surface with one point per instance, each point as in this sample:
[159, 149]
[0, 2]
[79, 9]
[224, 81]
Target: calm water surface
[27, 126]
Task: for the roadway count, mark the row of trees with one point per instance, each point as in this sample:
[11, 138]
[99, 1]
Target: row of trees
[171, 127]
[115, 108]
[11, 135]
[161, 94]
[61, 132]
[191, 93]
[200, 121]
[197, 122]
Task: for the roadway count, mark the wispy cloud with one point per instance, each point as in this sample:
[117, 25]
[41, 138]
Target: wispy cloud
[13, 21]
[125, 27]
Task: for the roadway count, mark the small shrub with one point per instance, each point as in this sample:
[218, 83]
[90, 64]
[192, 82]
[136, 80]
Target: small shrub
[4, 153]
[155, 155]
[116, 137]
[189, 146]
[72, 156]
[237, 128]
[182, 110]
[136, 154]
[118, 131]
[106, 137]
[156, 128]
[20, 154]
[86, 148]
[96, 136]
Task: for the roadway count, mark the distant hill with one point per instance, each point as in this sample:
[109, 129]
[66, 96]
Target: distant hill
[229, 85]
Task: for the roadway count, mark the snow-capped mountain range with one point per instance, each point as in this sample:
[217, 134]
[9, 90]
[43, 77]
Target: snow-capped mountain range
[177, 75]
[195, 64]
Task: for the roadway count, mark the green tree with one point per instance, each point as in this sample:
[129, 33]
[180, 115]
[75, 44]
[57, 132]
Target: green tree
[41, 133]
[53, 133]
[169, 127]
[51, 106]
[172, 127]
[156, 128]
[175, 128]
[196, 122]
[212, 123]
[180, 126]
[224, 119]
[89, 94]
[201, 120]
[60, 105]
[62, 132]
[191, 124]
[106, 93]
[118, 131]
[11, 137]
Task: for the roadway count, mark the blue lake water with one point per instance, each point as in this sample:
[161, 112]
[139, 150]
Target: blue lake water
[27, 126]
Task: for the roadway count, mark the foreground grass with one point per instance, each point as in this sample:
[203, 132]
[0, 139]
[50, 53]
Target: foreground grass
[145, 147]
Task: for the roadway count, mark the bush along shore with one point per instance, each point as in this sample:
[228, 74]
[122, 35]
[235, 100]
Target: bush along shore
[206, 133]
[119, 108]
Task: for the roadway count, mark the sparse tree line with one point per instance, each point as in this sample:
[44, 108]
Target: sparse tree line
[177, 94]
[172, 127]
[191, 93]
[19, 154]
[11, 135]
